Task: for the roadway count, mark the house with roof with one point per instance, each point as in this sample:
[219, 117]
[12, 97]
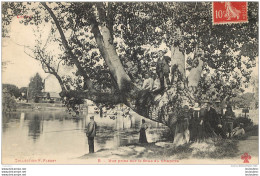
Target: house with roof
[54, 97]
[48, 97]
[42, 97]
[50, 92]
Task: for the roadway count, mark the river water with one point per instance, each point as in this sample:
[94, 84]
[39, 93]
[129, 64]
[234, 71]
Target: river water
[56, 134]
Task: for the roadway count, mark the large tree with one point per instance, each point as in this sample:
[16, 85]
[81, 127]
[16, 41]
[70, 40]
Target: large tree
[112, 45]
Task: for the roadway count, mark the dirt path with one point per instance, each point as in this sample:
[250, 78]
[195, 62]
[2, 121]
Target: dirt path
[250, 145]
[165, 150]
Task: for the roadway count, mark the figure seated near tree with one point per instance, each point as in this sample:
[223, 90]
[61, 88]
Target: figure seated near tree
[238, 131]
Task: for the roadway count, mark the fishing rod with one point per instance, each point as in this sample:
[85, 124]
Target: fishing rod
[62, 130]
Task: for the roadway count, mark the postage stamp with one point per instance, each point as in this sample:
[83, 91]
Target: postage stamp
[229, 12]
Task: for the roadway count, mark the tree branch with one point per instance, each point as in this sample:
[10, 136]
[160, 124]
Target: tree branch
[68, 49]
[57, 70]
[52, 71]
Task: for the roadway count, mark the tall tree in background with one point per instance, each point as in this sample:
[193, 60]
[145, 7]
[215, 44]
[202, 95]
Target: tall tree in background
[109, 44]
[35, 87]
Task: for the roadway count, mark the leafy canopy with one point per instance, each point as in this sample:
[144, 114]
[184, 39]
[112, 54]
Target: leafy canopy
[139, 29]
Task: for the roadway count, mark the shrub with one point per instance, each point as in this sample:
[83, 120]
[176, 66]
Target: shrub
[8, 102]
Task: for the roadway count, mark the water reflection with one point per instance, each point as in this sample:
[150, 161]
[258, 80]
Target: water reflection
[56, 133]
[9, 119]
[35, 126]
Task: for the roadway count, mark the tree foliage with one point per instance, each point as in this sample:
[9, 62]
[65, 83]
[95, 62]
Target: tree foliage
[113, 44]
[35, 87]
[12, 89]
[245, 100]
[8, 101]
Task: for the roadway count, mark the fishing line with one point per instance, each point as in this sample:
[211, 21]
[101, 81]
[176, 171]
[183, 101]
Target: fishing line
[62, 130]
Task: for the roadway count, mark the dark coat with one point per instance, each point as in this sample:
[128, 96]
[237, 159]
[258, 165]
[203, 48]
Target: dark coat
[142, 138]
[208, 122]
[229, 114]
[213, 118]
[91, 129]
[162, 67]
[194, 126]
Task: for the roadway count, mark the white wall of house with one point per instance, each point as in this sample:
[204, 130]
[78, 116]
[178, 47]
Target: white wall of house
[52, 84]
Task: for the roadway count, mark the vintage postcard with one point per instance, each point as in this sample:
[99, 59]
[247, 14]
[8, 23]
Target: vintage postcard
[130, 83]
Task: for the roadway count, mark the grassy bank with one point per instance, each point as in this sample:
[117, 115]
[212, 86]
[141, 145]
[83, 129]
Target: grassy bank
[216, 150]
[219, 149]
[222, 148]
[166, 150]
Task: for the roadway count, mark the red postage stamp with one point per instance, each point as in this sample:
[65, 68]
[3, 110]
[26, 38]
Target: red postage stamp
[229, 12]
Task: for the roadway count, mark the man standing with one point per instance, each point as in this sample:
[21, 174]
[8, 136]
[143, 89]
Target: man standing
[163, 69]
[229, 118]
[91, 133]
[209, 119]
[213, 116]
[219, 129]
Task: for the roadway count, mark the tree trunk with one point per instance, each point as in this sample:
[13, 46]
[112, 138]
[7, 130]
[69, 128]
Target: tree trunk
[125, 86]
[195, 74]
[113, 61]
[178, 59]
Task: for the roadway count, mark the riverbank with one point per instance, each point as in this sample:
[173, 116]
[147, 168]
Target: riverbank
[166, 150]
[220, 150]
[39, 106]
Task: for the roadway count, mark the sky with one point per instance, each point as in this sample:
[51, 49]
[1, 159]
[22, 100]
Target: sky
[21, 67]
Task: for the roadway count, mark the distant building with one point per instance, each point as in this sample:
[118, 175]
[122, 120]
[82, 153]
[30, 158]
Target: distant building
[51, 84]
[48, 97]
[54, 97]
[43, 97]
[50, 92]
